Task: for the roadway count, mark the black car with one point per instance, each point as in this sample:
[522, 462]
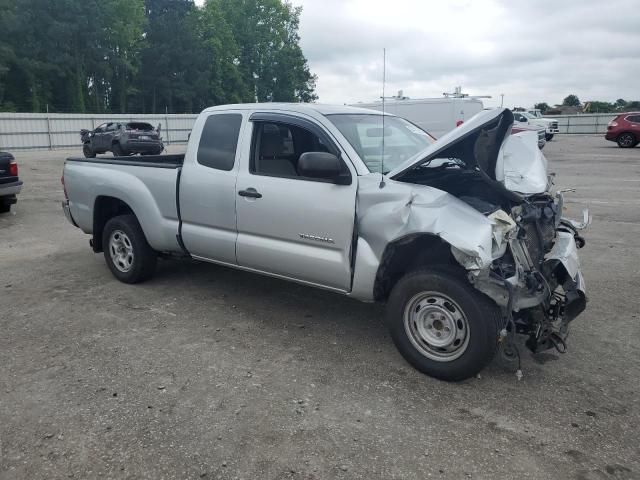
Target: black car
[122, 139]
[10, 184]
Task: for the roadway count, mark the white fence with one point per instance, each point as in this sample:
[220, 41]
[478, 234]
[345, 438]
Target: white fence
[22, 131]
[585, 124]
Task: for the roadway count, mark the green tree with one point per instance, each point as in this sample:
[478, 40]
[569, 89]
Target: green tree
[542, 106]
[172, 67]
[620, 103]
[571, 101]
[270, 60]
[600, 107]
[149, 55]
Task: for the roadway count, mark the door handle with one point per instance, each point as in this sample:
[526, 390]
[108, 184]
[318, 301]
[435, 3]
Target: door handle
[250, 192]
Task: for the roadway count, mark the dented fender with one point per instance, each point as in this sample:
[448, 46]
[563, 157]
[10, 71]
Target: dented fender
[402, 209]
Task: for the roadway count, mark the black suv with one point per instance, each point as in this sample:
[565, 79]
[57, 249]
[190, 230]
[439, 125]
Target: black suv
[10, 184]
[122, 139]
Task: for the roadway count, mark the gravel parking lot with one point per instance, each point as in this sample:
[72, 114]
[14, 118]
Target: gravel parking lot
[207, 372]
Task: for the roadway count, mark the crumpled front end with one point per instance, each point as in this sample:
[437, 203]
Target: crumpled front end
[537, 281]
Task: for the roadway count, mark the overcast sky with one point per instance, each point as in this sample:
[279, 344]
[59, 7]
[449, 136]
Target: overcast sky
[531, 51]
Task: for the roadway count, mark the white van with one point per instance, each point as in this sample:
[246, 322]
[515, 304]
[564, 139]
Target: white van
[435, 115]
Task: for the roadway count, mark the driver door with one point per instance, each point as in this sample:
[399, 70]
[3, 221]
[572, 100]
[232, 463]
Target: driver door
[289, 225]
[97, 138]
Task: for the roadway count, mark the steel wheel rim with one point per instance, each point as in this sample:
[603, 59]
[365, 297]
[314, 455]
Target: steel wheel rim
[626, 139]
[436, 326]
[121, 251]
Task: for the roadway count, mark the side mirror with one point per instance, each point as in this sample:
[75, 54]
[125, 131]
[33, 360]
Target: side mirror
[322, 165]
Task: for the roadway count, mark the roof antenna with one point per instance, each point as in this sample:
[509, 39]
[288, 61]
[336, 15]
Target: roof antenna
[384, 79]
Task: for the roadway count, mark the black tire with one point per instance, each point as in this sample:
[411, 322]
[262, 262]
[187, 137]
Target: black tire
[117, 150]
[483, 322]
[626, 140]
[548, 136]
[5, 207]
[86, 150]
[143, 261]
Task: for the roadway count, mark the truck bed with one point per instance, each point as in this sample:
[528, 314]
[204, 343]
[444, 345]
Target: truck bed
[147, 185]
[154, 161]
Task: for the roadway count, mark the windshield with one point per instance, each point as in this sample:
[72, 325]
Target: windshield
[529, 115]
[139, 126]
[402, 139]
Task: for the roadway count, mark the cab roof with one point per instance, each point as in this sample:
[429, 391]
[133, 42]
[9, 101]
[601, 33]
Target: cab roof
[308, 108]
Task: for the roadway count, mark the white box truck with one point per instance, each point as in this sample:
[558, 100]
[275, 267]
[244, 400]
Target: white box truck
[435, 115]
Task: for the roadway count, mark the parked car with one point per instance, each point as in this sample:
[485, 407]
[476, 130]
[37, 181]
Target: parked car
[122, 139]
[10, 184]
[624, 130]
[549, 124]
[462, 238]
[540, 133]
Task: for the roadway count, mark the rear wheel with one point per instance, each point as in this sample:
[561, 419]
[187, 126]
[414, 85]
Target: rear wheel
[88, 153]
[126, 250]
[441, 325]
[5, 207]
[626, 140]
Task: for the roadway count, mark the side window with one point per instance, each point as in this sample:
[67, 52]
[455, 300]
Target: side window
[101, 128]
[277, 147]
[219, 140]
[634, 118]
[112, 127]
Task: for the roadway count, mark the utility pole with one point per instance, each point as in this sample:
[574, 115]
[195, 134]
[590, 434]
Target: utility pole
[501, 100]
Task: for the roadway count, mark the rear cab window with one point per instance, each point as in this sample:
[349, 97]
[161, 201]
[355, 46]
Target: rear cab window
[219, 141]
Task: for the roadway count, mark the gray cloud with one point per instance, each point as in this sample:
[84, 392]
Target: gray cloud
[530, 51]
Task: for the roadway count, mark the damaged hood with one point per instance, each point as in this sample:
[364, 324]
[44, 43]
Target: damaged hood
[477, 143]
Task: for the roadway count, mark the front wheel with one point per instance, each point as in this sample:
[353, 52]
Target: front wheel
[126, 250]
[86, 150]
[441, 325]
[548, 136]
[626, 140]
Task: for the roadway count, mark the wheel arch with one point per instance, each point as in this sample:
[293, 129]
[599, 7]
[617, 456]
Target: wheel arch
[105, 208]
[408, 253]
[630, 132]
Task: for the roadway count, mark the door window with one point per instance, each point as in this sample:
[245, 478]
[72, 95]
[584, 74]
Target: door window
[277, 147]
[219, 140]
[112, 127]
[634, 118]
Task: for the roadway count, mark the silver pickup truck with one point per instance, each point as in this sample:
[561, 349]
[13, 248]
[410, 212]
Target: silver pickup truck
[460, 237]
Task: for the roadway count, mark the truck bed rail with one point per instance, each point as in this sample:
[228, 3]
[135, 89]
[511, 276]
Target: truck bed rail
[154, 161]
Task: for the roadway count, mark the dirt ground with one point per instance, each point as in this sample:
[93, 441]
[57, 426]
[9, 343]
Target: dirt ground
[207, 372]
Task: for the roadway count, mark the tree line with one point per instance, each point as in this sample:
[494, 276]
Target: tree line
[149, 56]
[594, 106]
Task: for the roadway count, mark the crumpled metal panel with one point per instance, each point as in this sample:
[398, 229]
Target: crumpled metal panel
[401, 209]
[565, 251]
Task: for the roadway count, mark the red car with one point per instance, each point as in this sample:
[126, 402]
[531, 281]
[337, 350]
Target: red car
[624, 130]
